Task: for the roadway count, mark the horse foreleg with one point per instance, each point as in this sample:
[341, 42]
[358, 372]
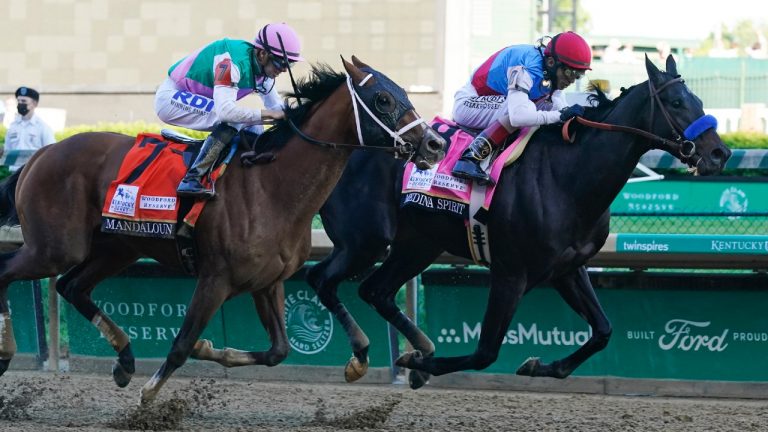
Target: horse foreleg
[325, 278]
[504, 296]
[576, 289]
[270, 305]
[409, 256]
[207, 299]
[76, 286]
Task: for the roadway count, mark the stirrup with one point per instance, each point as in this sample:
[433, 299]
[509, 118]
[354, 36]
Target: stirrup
[194, 189]
[470, 170]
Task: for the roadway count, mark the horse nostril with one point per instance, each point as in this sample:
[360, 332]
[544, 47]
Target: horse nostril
[434, 146]
[718, 155]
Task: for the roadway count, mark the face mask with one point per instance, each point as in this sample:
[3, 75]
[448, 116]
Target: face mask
[22, 108]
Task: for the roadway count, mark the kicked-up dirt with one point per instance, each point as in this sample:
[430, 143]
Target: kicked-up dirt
[39, 401]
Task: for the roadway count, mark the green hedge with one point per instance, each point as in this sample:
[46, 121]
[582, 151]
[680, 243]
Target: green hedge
[745, 140]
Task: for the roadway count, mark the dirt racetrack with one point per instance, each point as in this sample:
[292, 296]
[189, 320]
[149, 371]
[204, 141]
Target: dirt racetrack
[35, 401]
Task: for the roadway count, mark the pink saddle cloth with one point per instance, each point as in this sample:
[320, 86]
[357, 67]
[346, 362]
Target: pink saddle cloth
[437, 190]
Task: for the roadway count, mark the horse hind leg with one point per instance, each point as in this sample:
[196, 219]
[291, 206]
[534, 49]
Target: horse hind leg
[270, 305]
[503, 298]
[76, 286]
[576, 289]
[21, 264]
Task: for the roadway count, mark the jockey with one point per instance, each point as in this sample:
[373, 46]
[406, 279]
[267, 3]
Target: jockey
[201, 90]
[519, 86]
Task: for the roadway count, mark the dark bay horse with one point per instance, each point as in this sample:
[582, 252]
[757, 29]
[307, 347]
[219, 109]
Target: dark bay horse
[250, 239]
[549, 217]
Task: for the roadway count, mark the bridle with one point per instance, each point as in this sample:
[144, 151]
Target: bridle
[682, 144]
[400, 147]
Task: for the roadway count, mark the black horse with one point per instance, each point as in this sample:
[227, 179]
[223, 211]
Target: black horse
[549, 217]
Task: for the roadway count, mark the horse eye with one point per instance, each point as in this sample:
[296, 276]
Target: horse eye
[385, 103]
[677, 103]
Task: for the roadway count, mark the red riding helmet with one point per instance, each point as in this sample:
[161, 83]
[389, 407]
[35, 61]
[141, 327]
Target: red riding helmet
[571, 49]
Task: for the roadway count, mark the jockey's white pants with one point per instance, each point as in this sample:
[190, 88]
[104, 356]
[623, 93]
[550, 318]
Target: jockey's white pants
[189, 110]
[477, 112]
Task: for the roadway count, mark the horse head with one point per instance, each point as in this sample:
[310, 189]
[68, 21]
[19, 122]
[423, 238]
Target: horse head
[391, 116]
[677, 112]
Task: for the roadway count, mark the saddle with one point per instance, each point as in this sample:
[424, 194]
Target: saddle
[437, 190]
[142, 200]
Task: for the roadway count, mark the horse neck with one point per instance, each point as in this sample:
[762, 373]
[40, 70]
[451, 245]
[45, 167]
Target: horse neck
[603, 161]
[309, 172]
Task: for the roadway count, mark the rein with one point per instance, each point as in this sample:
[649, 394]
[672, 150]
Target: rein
[685, 148]
[616, 128]
[399, 147]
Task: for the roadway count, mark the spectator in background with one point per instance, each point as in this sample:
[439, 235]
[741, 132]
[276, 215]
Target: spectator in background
[627, 54]
[758, 50]
[27, 131]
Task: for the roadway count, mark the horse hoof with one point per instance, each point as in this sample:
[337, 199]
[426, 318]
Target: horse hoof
[4, 363]
[417, 379]
[354, 370]
[529, 367]
[121, 375]
[146, 396]
[409, 359]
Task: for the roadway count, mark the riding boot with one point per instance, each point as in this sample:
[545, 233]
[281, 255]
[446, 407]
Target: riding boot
[483, 147]
[216, 142]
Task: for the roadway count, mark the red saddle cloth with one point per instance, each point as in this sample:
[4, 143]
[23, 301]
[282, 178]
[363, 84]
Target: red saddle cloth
[142, 200]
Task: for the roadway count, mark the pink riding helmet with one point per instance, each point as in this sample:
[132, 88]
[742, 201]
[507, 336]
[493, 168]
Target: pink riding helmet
[267, 39]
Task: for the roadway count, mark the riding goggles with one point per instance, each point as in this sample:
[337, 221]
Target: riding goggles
[280, 63]
[573, 73]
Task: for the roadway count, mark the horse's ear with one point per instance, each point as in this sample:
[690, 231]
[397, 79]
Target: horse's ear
[353, 71]
[671, 66]
[653, 71]
[356, 61]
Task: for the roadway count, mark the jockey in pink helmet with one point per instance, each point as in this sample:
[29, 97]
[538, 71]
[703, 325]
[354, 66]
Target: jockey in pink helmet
[519, 86]
[276, 37]
[202, 88]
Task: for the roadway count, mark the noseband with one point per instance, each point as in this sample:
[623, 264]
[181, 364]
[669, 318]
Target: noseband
[400, 147]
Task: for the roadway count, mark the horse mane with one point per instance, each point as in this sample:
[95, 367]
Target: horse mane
[317, 86]
[601, 105]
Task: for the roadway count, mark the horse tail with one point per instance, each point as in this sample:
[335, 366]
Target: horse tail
[8, 215]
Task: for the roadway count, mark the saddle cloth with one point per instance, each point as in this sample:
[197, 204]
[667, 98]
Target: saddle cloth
[437, 190]
[142, 200]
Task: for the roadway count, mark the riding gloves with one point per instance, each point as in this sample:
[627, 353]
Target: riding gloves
[571, 111]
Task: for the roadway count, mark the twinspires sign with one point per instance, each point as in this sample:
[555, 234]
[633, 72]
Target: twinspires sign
[667, 333]
[692, 243]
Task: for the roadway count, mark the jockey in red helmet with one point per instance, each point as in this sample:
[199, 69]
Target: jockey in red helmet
[519, 86]
[202, 88]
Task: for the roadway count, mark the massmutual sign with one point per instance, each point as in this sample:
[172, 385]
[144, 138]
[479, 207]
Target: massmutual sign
[657, 333]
